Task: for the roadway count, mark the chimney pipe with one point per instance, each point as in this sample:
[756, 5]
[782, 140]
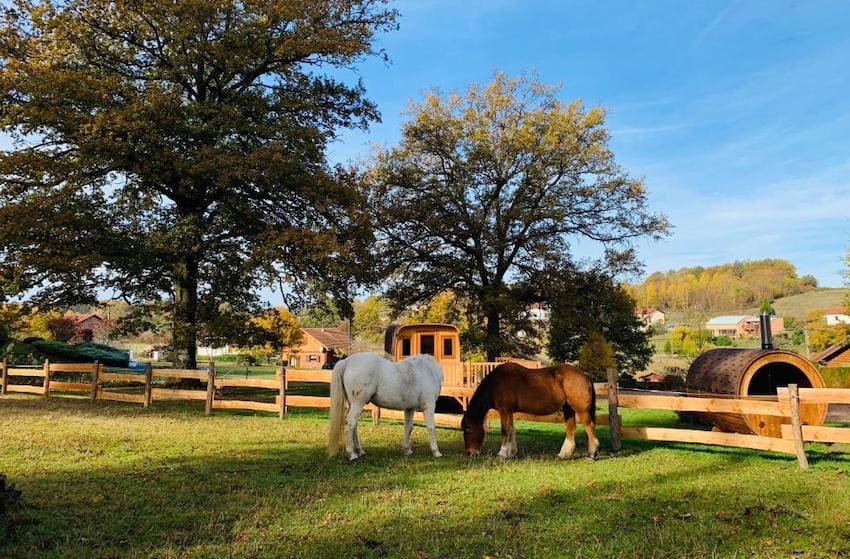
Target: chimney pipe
[764, 328]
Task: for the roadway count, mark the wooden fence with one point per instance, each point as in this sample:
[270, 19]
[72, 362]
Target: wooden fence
[786, 405]
[216, 393]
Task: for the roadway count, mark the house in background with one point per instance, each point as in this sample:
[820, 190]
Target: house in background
[836, 315]
[318, 348]
[86, 324]
[741, 326]
[538, 312]
[836, 355]
[650, 316]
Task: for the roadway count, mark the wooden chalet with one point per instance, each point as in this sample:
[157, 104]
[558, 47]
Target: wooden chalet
[319, 348]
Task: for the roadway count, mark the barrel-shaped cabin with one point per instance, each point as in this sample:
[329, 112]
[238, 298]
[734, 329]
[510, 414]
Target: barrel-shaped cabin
[747, 373]
[440, 340]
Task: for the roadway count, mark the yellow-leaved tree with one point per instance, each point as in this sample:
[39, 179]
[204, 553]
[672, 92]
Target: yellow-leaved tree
[596, 356]
[282, 331]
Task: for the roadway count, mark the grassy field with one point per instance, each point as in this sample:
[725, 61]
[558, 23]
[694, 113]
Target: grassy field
[110, 480]
[793, 305]
[798, 305]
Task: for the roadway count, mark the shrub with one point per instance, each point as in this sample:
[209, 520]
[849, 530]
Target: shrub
[18, 353]
[836, 377]
[722, 341]
[61, 328]
[657, 329]
[673, 383]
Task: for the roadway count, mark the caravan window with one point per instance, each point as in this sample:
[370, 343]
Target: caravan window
[426, 344]
[448, 347]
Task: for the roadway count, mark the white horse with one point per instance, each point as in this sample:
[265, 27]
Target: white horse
[411, 384]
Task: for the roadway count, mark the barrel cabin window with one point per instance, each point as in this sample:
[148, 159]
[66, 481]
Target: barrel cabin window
[405, 347]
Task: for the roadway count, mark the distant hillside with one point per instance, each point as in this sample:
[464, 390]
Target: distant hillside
[798, 305]
[738, 285]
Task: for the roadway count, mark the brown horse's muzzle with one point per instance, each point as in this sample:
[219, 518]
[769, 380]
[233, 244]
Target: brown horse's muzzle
[473, 436]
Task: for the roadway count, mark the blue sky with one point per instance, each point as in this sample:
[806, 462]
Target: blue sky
[736, 113]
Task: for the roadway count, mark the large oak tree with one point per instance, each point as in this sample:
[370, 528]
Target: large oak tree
[488, 188]
[177, 149]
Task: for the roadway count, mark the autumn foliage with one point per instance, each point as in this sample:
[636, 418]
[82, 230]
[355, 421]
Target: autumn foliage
[727, 286]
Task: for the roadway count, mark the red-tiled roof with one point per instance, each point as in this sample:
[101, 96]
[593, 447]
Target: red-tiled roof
[331, 338]
[643, 311]
[835, 310]
[78, 318]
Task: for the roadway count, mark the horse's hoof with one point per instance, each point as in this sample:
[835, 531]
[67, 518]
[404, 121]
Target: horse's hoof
[407, 452]
[438, 454]
[564, 456]
[353, 457]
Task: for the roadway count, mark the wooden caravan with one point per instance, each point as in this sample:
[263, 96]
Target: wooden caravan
[745, 373]
[440, 340]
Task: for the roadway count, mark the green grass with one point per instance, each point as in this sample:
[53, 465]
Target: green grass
[114, 480]
[241, 371]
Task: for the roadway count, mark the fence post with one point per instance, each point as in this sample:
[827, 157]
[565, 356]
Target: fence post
[210, 388]
[46, 378]
[797, 426]
[94, 380]
[148, 382]
[281, 375]
[613, 413]
[5, 377]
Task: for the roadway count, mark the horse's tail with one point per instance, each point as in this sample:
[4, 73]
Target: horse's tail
[592, 401]
[337, 411]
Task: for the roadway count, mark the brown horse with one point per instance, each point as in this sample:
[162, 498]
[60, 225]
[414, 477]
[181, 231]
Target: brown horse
[512, 388]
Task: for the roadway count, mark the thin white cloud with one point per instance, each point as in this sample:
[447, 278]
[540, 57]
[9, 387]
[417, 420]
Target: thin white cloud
[718, 18]
[633, 132]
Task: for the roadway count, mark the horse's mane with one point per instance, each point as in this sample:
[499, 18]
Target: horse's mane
[482, 399]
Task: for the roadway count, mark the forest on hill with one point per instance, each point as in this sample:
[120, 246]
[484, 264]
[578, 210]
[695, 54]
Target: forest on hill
[727, 286]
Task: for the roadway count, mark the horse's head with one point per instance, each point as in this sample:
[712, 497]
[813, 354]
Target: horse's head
[473, 435]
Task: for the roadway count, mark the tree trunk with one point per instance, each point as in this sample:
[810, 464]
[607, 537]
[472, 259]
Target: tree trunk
[493, 341]
[185, 325]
